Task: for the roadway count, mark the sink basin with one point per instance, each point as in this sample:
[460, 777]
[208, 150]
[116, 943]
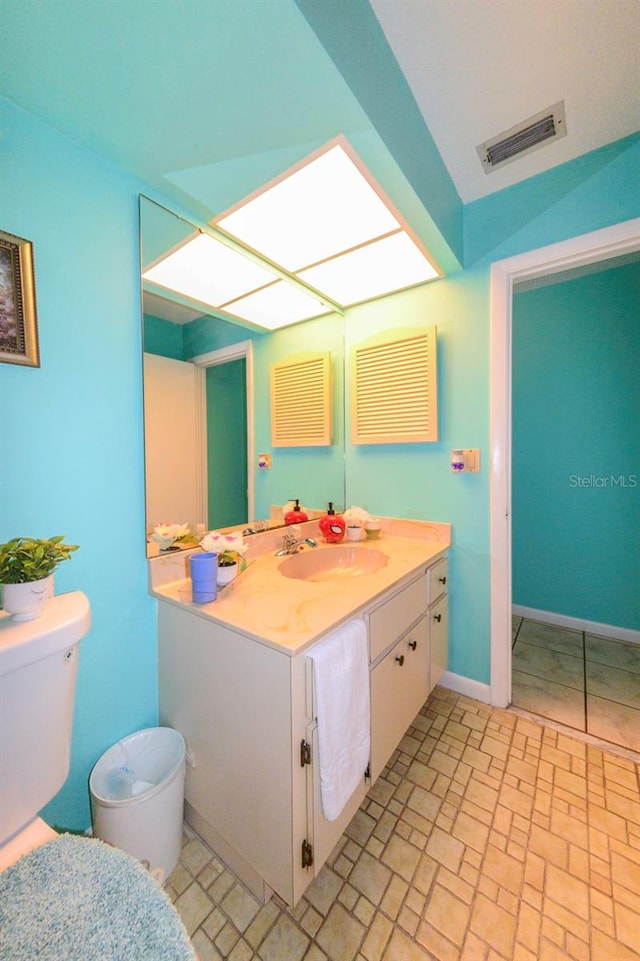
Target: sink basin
[333, 563]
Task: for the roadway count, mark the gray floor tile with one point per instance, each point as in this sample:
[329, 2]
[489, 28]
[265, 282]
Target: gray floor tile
[614, 722]
[616, 685]
[606, 650]
[560, 639]
[549, 664]
[547, 660]
[543, 697]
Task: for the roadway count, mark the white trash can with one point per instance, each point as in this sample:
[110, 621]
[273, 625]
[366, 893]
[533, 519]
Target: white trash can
[137, 797]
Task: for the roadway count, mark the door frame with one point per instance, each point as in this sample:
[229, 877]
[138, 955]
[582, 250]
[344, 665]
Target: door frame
[590, 248]
[239, 351]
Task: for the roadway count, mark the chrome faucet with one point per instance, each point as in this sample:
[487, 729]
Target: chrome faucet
[291, 544]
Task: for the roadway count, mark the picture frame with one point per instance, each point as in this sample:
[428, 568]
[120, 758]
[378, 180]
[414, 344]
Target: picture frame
[18, 319]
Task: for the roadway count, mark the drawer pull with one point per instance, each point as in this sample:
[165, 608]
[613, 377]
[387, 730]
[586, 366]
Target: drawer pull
[400, 660]
[437, 617]
[443, 580]
[413, 645]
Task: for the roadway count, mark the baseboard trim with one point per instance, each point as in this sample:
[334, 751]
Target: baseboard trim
[578, 624]
[466, 686]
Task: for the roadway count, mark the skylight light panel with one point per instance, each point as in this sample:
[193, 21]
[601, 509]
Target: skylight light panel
[379, 268]
[208, 271]
[323, 208]
[276, 306]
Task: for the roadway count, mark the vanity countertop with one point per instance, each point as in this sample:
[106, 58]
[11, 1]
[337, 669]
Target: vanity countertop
[290, 614]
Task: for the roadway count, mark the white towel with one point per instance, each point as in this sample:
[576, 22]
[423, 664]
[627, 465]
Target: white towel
[341, 682]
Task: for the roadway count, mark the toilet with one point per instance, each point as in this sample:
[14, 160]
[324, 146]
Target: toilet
[74, 897]
[38, 667]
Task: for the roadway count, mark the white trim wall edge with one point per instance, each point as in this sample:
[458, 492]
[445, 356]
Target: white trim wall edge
[588, 248]
[466, 686]
[579, 624]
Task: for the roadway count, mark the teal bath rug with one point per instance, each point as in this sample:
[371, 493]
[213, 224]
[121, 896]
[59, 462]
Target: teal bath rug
[78, 899]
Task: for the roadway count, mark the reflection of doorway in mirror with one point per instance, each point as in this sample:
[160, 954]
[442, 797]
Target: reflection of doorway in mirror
[228, 418]
[175, 464]
[227, 444]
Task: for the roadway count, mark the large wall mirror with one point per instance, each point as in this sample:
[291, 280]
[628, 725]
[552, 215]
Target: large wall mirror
[207, 405]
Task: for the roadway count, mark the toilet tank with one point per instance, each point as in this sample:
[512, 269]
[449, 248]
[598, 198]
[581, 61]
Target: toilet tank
[38, 666]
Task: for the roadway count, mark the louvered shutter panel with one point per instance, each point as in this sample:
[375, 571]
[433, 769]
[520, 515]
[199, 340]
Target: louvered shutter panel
[394, 388]
[301, 401]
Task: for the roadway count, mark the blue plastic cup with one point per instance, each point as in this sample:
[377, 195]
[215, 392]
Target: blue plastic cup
[204, 572]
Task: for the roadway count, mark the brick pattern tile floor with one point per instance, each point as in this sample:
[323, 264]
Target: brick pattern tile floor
[489, 837]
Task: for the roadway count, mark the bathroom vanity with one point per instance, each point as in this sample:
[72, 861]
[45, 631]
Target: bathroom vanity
[236, 680]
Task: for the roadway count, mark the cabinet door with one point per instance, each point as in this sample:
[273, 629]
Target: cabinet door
[323, 835]
[439, 627]
[399, 688]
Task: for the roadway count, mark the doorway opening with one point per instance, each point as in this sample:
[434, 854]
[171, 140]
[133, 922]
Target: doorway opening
[601, 245]
[575, 504]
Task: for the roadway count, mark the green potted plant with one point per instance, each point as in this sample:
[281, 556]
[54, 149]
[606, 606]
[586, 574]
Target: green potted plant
[230, 549]
[227, 566]
[26, 573]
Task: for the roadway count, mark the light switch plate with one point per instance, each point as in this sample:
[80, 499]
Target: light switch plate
[471, 459]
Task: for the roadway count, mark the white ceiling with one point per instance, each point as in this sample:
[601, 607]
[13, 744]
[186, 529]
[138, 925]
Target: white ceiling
[478, 67]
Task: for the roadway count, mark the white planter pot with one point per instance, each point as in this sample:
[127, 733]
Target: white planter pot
[226, 574]
[355, 533]
[26, 601]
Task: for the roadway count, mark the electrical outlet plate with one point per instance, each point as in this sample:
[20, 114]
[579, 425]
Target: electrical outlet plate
[264, 461]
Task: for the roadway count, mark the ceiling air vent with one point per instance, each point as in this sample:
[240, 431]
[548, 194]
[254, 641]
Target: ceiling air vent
[524, 138]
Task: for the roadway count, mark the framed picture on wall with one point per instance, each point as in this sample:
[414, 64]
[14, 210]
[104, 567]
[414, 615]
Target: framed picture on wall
[18, 321]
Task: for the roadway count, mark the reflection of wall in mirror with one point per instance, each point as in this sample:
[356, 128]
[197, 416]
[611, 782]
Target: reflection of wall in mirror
[175, 491]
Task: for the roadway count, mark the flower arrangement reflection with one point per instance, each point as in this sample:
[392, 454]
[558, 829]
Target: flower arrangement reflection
[165, 535]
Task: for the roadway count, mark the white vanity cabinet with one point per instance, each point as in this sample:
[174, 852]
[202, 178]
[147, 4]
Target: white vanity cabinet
[246, 710]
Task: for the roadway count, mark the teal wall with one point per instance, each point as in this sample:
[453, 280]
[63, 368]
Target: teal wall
[71, 430]
[576, 447]
[415, 480]
[163, 338]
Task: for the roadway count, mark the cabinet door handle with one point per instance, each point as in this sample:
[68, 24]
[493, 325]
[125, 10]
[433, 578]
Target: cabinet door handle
[400, 660]
[443, 580]
[413, 645]
[437, 617]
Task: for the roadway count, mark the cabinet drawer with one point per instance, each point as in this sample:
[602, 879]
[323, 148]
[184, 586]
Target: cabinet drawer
[439, 640]
[399, 688]
[395, 616]
[438, 579]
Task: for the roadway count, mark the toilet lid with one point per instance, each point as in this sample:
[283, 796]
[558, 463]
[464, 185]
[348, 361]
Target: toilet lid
[78, 899]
